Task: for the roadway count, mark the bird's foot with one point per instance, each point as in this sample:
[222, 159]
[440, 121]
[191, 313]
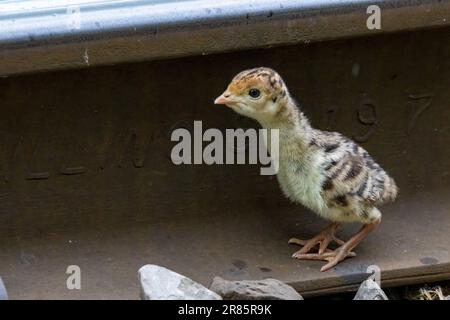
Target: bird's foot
[323, 239]
[332, 256]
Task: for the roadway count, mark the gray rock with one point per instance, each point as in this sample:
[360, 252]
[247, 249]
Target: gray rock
[159, 283]
[267, 289]
[370, 290]
[3, 294]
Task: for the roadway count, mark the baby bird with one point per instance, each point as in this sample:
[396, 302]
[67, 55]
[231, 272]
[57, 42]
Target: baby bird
[325, 171]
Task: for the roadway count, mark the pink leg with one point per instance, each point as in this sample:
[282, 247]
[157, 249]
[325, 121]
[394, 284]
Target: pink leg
[344, 251]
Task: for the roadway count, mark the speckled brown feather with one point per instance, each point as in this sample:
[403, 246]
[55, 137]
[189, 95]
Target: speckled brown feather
[351, 173]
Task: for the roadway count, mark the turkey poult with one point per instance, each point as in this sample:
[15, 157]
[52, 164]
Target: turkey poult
[325, 171]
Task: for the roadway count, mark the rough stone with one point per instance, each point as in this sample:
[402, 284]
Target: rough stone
[3, 294]
[267, 289]
[159, 283]
[370, 290]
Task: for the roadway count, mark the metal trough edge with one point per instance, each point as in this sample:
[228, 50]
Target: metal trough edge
[39, 36]
[392, 279]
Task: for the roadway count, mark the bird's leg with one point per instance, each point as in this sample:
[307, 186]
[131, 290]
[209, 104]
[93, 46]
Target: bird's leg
[344, 251]
[323, 239]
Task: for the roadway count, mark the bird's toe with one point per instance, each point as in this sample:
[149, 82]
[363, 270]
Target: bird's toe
[297, 241]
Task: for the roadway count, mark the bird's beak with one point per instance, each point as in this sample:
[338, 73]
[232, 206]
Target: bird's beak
[224, 98]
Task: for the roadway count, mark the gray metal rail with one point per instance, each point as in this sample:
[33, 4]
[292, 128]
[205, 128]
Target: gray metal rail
[47, 35]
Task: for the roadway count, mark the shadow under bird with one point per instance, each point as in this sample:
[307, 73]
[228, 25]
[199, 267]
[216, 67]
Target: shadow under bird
[324, 171]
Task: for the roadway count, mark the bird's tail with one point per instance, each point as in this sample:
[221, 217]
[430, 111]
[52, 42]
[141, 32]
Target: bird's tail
[391, 190]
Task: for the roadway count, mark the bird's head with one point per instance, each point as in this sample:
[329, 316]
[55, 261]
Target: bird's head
[258, 93]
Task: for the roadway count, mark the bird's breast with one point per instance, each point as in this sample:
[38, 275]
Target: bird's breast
[301, 182]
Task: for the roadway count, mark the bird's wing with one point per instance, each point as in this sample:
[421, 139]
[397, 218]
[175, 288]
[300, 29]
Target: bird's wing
[351, 172]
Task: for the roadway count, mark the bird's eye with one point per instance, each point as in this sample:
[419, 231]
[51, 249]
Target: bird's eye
[254, 93]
